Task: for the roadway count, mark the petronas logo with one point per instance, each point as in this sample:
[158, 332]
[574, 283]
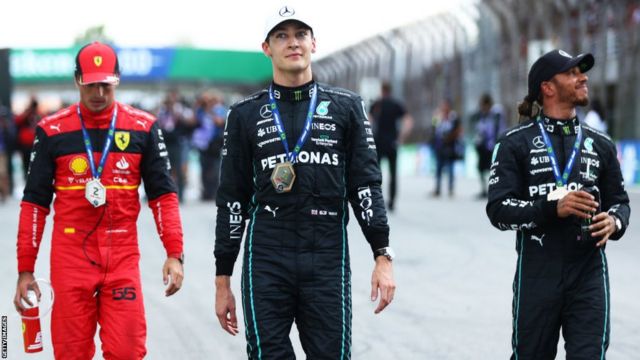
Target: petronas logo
[495, 153]
[588, 144]
[323, 108]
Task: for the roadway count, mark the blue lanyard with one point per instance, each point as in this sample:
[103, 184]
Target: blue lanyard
[293, 155]
[561, 180]
[107, 144]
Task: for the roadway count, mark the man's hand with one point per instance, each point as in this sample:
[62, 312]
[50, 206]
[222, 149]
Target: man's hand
[26, 282]
[602, 225]
[578, 203]
[382, 282]
[172, 274]
[226, 305]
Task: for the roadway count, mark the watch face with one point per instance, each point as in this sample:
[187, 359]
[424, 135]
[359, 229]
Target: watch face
[386, 252]
[391, 253]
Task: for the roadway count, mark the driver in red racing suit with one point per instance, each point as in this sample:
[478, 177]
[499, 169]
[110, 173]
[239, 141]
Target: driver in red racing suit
[94, 250]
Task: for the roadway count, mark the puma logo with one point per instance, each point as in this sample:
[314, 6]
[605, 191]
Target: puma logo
[143, 124]
[55, 127]
[538, 239]
[268, 208]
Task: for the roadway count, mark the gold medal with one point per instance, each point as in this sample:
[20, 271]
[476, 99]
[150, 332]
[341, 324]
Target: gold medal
[283, 177]
[95, 193]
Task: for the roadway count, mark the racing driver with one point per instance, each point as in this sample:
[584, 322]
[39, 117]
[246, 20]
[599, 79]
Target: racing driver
[295, 154]
[542, 181]
[93, 156]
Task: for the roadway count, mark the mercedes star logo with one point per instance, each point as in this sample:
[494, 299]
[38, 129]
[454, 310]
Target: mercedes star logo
[265, 111]
[286, 12]
[537, 142]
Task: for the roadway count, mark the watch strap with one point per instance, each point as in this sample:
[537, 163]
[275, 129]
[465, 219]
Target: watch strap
[180, 257]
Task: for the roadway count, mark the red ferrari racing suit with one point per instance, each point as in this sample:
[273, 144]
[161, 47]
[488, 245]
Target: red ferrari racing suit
[94, 251]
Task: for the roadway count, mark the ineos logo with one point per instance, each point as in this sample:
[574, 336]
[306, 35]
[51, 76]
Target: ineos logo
[286, 12]
[265, 111]
[537, 142]
[366, 202]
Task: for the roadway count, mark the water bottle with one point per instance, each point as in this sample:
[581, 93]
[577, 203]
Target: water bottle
[31, 325]
[590, 187]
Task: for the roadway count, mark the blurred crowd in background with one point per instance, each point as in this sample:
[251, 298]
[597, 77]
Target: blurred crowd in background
[459, 75]
[192, 127]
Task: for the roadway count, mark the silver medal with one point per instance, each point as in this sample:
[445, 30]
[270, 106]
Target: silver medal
[558, 193]
[95, 193]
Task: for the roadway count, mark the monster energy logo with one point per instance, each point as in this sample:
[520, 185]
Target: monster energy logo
[566, 129]
[297, 95]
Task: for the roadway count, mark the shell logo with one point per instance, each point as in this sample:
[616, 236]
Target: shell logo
[78, 165]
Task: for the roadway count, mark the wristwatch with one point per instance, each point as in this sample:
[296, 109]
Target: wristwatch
[386, 252]
[618, 222]
[178, 257]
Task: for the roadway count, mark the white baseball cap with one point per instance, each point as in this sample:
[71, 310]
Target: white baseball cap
[285, 13]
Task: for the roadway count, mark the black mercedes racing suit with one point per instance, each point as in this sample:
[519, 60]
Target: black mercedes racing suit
[296, 258]
[560, 282]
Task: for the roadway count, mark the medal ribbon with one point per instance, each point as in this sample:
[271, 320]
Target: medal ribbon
[107, 144]
[293, 155]
[561, 180]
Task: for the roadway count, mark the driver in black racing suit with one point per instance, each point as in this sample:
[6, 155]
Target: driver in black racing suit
[560, 281]
[296, 258]
[298, 239]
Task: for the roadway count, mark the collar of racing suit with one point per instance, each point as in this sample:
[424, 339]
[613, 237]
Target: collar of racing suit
[561, 126]
[98, 119]
[299, 93]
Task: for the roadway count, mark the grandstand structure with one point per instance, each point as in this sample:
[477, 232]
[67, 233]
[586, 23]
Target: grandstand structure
[488, 46]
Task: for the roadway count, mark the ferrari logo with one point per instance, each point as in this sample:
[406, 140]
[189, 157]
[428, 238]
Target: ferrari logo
[122, 139]
[97, 60]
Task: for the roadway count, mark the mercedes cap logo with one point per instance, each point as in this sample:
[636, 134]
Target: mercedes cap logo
[286, 12]
[265, 111]
[537, 142]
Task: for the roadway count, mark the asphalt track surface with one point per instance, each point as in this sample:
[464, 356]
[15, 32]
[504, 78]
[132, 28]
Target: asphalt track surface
[453, 270]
